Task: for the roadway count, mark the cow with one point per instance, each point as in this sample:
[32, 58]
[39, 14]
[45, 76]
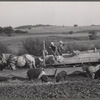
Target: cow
[91, 70]
[26, 59]
[37, 73]
[2, 66]
[8, 60]
[61, 76]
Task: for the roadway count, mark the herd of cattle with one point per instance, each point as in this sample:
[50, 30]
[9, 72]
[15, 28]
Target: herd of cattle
[36, 70]
[13, 62]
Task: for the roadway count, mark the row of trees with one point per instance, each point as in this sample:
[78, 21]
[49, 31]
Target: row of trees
[92, 35]
[9, 31]
[6, 30]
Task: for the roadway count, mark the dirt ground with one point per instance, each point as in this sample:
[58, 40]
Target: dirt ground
[77, 85]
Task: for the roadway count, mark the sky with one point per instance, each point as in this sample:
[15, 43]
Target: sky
[53, 13]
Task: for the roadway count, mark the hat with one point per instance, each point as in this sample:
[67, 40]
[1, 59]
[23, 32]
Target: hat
[52, 43]
[61, 42]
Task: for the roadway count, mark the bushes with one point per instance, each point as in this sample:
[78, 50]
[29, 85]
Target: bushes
[20, 31]
[70, 32]
[33, 46]
[92, 35]
[8, 30]
[83, 46]
[3, 49]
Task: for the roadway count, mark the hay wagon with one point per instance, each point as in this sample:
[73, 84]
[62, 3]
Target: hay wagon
[71, 63]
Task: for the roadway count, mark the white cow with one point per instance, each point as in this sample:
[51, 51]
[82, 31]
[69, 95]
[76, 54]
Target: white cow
[26, 58]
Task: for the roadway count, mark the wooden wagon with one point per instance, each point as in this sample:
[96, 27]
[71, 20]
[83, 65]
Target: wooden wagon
[71, 63]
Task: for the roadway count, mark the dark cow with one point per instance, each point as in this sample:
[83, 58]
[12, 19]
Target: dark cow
[61, 76]
[91, 70]
[37, 73]
[2, 66]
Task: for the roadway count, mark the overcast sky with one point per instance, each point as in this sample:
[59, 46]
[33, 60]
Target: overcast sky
[53, 13]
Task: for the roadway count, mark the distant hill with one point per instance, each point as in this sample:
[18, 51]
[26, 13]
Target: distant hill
[30, 26]
[57, 29]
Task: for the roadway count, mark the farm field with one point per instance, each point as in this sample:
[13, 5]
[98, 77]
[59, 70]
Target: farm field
[14, 84]
[76, 86]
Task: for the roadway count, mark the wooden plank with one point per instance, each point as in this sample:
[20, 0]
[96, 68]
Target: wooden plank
[81, 58]
[51, 71]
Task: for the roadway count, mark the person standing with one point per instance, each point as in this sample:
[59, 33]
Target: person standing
[54, 49]
[60, 47]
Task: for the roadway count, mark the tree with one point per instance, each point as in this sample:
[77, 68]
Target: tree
[70, 32]
[1, 30]
[75, 25]
[92, 35]
[8, 30]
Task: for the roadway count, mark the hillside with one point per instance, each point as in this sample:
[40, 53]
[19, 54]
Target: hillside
[57, 29]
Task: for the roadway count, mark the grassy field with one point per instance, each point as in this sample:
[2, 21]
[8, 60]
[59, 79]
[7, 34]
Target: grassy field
[60, 29]
[53, 33]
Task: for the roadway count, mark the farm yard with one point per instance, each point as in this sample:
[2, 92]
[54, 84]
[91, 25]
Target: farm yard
[15, 84]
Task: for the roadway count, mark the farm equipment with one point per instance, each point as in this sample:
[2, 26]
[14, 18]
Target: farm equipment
[71, 62]
[82, 58]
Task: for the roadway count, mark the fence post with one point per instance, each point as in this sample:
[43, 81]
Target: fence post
[44, 54]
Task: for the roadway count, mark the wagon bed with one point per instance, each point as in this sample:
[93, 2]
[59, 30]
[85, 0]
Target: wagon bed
[82, 57]
[73, 63]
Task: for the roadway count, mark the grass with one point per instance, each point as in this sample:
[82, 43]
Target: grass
[77, 40]
[61, 29]
[15, 42]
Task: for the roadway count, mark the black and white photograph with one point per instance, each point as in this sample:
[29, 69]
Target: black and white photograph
[49, 50]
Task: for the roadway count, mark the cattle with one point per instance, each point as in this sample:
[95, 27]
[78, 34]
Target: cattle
[61, 76]
[8, 60]
[13, 61]
[37, 73]
[26, 59]
[29, 60]
[2, 66]
[91, 70]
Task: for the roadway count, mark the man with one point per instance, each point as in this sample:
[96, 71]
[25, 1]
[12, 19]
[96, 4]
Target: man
[54, 49]
[60, 47]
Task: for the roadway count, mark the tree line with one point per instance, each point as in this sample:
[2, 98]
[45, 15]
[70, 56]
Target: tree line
[6, 30]
[10, 30]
